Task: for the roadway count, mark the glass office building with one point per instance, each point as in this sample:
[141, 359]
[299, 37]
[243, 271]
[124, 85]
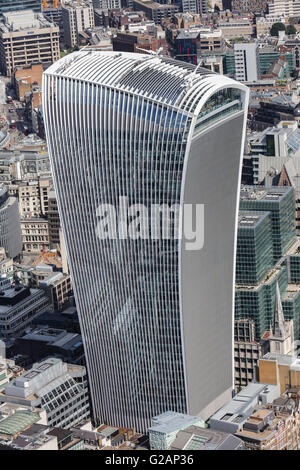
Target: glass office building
[257, 303]
[15, 5]
[294, 267]
[156, 314]
[254, 247]
[280, 202]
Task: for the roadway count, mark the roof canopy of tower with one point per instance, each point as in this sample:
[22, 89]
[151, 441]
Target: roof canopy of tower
[167, 81]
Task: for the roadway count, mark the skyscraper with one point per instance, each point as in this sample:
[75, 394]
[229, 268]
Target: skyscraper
[156, 312]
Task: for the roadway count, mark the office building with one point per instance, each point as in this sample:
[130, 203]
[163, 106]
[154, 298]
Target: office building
[35, 234]
[246, 6]
[33, 196]
[107, 4]
[247, 352]
[246, 62]
[289, 8]
[231, 417]
[27, 38]
[10, 228]
[165, 427]
[189, 6]
[280, 202]
[58, 388]
[236, 28]
[257, 302]
[58, 288]
[136, 299]
[76, 17]
[254, 257]
[279, 141]
[42, 342]
[155, 11]
[273, 427]
[18, 307]
[268, 55]
[194, 438]
[21, 164]
[15, 5]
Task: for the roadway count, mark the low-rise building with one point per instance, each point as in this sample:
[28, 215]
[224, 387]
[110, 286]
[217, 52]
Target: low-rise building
[35, 234]
[42, 342]
[195, 438]
[231, 417]
[281, 369]
[26, 77]
[165, 427]
[58, 388]
[58, 287]
[18, 307]
[247, 352]
[236, 28]
[274, 426]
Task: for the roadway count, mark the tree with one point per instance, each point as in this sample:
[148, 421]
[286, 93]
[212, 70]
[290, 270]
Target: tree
[276, 27]
[290, 29]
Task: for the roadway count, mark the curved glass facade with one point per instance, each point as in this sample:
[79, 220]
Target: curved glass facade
[112, 132]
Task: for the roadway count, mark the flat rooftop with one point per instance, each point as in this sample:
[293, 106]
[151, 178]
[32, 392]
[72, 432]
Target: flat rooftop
[248, 219]
[23, 20]
[261, 193]
[171, 421]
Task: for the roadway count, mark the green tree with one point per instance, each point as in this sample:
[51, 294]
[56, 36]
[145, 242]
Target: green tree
[276, 27]
[290, 29]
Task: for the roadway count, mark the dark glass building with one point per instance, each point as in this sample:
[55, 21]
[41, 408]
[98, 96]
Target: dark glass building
[254, 247]
[280, 202]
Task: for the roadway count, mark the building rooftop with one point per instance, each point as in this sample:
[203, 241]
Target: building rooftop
[250, 219]
[195, 438]
[56, 337]
[108, 431]
[261, 193]
[23, 20]
[237, 410]
[282, 359]
[171, 421]
[17, 422]
[175, 83]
